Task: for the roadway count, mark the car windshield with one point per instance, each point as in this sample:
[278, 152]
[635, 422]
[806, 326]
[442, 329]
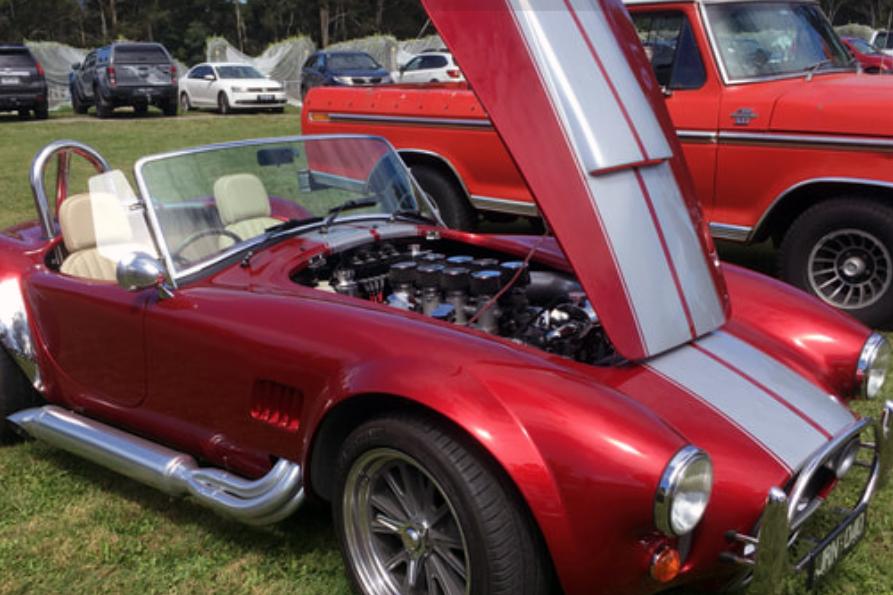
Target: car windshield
[863, 47]
[212, 201]
[352, 62]
[757, 40]
[239, 72]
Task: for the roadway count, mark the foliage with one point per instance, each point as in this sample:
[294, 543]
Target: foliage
[183, 25]
[855, 30]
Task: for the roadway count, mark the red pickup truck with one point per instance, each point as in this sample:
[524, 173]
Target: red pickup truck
[784, 137]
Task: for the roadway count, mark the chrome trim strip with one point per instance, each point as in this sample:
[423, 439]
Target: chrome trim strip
[727, 231]
[697, 135]
[255, 502]
[382, 119]
[856, 142]
[504, 205]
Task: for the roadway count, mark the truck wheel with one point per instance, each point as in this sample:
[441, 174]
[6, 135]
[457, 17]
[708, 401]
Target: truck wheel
[77, 104]
[169, 107]
[16, 393]
[24, 114]
[185, 104]
[42, 112]
[140, 109]
[417, 509]
[841, 251]
[223, 104]
[104, 108]
[455, 210]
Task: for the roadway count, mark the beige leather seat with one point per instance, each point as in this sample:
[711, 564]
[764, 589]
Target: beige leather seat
[79, 217]
[243, 205]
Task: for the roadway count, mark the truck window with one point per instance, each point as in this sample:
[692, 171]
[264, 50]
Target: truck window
[670, 45]
[140, 54]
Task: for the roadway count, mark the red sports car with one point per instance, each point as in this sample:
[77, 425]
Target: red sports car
[871, 58]
[606, 411]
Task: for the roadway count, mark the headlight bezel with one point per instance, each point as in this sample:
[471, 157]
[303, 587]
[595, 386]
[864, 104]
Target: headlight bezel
[875, 346]
[668, 489]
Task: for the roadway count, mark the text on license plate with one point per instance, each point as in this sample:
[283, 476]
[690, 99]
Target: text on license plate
[265, 98]
[9, 80]
[838, 546]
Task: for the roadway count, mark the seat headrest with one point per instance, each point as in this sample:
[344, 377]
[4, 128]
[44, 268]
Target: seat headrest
[240, 197]
[80, 215]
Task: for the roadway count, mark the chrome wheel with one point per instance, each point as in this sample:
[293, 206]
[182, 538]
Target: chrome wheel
[403, 534]
[850, 269]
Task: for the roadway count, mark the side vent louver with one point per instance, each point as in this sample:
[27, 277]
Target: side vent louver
[277, 404]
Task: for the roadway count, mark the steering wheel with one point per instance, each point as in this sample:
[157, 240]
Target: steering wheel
[196, 236]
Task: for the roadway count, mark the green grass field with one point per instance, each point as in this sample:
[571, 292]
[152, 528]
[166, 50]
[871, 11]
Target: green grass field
[67, 526]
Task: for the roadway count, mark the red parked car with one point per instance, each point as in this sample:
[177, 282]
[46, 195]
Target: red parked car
[784, 140]
[872, 59]
[605, 409]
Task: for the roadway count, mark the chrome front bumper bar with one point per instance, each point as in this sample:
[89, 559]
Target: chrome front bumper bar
[782, 517]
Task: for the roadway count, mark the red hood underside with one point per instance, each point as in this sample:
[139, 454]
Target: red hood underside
[557, 80]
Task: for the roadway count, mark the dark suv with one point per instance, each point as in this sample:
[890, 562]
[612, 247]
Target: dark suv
[341, 68]
[125, 74]
[23, 84]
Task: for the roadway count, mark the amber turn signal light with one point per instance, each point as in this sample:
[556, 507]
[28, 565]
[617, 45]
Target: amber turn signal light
[665, 564]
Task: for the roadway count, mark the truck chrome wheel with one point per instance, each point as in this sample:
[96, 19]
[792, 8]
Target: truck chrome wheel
[403, 534]
[850, 268]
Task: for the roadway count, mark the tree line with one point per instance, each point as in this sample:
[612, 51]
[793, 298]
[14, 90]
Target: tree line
[184, 25]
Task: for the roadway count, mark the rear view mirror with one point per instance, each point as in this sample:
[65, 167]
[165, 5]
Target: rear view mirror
[138, 271]
[76, 66]
[283, 156]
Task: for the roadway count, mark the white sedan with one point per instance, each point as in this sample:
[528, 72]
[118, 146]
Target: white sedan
[229, 87]
[431, 67]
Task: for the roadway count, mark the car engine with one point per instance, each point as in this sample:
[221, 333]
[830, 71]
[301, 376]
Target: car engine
[463, 285]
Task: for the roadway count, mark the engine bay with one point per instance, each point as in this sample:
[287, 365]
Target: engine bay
[494, 292]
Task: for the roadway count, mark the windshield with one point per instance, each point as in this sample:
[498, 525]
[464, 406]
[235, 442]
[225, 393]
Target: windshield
[776, 38]
[215, 200]
[352, 62]
[239, 72]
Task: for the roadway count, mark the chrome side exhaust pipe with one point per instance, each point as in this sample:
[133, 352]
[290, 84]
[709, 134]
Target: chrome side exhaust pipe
[263, 501]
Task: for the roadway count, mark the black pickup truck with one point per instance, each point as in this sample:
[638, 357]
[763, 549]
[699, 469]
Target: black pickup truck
[125, 74]
[23, 84]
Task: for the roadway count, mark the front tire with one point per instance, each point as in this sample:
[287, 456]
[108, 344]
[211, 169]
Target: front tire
[841, 251]
[223, 104]
[454, 208]
[16, 393]
[185, 104]
[419, 509]
[77, 104]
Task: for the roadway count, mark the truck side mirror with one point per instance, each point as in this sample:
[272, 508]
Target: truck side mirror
[76, 66]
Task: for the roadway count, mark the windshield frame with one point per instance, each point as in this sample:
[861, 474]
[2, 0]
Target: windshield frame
[720, 63]
[177, 277]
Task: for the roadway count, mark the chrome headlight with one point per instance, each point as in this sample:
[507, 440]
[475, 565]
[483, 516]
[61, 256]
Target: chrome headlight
[683, 491]
[237, 89]
[344, 80]
[871, 371]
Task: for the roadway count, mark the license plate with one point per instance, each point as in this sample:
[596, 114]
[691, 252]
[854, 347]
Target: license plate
[265, 98]
[9, 80]
[837, 545]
